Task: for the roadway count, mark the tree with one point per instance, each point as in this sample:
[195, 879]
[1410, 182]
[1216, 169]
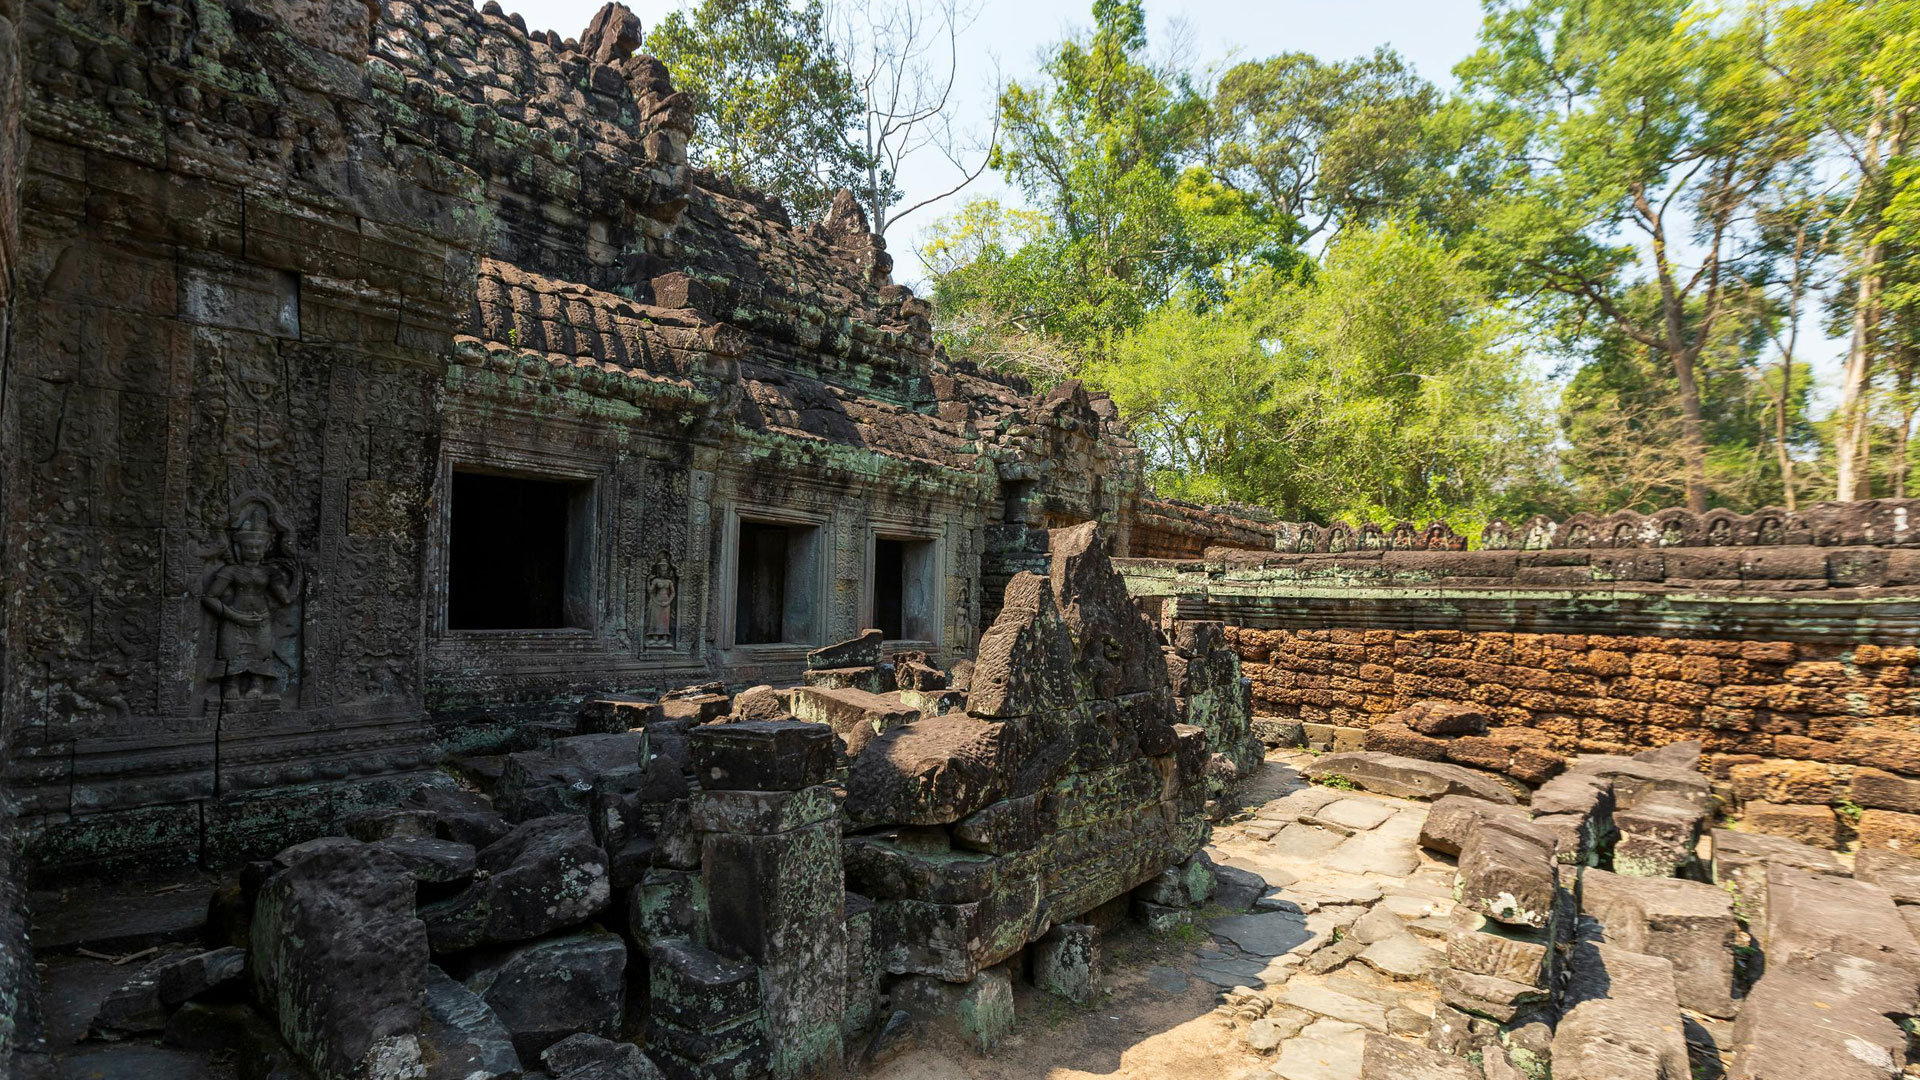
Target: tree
[901, 58]
[1098, 146]
[774, 105]
[1631, 135]
[1326, 143]
[1855, 68]
[1378, 385]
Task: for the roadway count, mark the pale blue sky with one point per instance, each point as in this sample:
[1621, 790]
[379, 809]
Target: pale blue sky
[1008, 36]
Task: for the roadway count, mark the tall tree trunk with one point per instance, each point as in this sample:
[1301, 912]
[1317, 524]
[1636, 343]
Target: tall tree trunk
[1903, 432]
[1693, 430]
[1780, 401]
[1856, 386]
[1856, 379]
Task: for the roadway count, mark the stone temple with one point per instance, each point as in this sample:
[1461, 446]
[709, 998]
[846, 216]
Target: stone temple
[484, 599]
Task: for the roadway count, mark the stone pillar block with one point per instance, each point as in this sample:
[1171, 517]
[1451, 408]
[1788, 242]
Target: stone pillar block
[770, 861]
[1066, 962]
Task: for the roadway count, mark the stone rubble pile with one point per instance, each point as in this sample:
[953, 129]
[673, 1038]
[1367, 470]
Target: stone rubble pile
[777, 883]
[1599, 935]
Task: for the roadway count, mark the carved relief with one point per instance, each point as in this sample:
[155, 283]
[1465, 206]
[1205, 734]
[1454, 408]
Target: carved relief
[252, 602]
[663, 589]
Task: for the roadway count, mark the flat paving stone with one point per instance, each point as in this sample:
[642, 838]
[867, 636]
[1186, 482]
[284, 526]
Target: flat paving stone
[1375, 853]
[1402, 957]
[1409, 906]
[1358, 814]
[1265, 934]
[1307, 843]
[1322, 1000]
[1324, 1050]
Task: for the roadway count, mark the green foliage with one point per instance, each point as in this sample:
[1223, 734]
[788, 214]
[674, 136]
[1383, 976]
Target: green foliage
[1327, 288]
[1337, 782]
[1376, 385]
[774, 106]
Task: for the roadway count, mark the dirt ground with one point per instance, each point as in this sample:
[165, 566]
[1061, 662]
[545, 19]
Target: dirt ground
[1139, 1029]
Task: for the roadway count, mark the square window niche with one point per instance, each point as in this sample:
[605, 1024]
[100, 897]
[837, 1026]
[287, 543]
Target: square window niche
[905, 583]
[776, 583]
[519, 553]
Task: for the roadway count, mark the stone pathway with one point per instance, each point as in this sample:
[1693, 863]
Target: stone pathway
[1343, 939]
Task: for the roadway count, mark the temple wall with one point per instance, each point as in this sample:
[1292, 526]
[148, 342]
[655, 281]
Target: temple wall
[1790, 660]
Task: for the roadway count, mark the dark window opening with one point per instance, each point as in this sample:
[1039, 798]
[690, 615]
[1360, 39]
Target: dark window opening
[889, 586]
[760, 600]
[776, 584]
[904, 576]
[517, 553]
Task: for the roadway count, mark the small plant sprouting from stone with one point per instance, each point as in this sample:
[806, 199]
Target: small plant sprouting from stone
[513, 336]
[1337, 782]
[1849, 810]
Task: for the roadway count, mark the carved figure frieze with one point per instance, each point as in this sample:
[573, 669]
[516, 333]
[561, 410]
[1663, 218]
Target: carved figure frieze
[663, 589]
[251, 598]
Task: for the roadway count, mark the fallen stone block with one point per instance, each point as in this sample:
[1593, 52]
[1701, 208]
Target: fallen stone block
[1818, 826]
[862, 650]
[380, 822]
[1479, 946]
[1391, 738]
[856, 716]
[1622, 1018]
[1688, 923]
[460, 1036]
[761, 755]
[431, 860]
[1898, 874]
[1740, 859]
[1508, 876]
[1388, 1058]
[1814, 915]
[1437, 717]
[1496, 999]
[546, 990]
[545, 875]
[613, 714]
[1453, 817]
[461, 816]
[561, 778]
[339, 960]
[1659, 835]
[930, 772]
[1407, 778]
[1831, 1016]
[1634, 779]
[1578, 809]
[134, 1007]
[1684, 755]
[589, 1057]
[201, 975]
[1402, 957]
